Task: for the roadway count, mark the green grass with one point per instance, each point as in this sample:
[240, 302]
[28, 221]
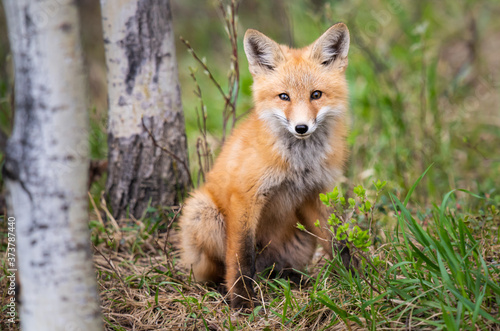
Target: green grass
[443, 275]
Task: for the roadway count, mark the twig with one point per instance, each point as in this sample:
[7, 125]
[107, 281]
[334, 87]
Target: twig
[205, 68]
[96, 210]
[230, 98]
[371, 211]
[177, 213]
[245, 113]
[111, 218]
[183, 162]
[114, 269]
[202, 147]
[242, 279]
[312, 234]
[234, 77]
[361, 274]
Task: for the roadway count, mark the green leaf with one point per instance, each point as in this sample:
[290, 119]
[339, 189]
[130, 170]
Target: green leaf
[379, 185]
[333, 196]
[324, 199]
[428, 262]
[415, 185]
[450, 325]
[377, 298]
[359, 191]
[471, 306]
[344, 315]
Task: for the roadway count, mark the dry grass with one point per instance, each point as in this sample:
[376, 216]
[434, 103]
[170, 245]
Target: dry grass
[148, 290]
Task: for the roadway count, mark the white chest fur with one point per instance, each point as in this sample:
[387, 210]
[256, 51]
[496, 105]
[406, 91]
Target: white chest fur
[307, 167]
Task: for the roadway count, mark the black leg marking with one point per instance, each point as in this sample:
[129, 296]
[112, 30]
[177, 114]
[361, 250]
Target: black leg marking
[243, 292]
[295, 277]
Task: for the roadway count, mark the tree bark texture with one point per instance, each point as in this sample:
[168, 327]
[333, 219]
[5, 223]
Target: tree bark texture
[46, 168]
[143, 87]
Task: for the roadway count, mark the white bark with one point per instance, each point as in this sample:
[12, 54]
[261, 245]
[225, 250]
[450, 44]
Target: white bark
[137, 61]
[46, 168]
[142, 85]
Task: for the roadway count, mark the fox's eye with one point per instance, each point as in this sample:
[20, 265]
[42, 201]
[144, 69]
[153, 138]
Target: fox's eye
[316, 95]
[284, 97]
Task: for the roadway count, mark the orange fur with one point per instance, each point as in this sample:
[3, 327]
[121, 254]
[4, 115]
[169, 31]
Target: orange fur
[268, 175]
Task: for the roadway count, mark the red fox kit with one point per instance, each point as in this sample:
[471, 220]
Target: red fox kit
[270, 172]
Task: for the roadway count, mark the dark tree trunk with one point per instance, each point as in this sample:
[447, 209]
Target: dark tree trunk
[143, 91]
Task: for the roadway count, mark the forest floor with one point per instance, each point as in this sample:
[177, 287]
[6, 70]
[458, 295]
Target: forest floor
[432, 270]
[439, 270]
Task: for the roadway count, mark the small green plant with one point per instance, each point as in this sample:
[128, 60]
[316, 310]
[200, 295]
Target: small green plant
[346, 213]
[437, 269]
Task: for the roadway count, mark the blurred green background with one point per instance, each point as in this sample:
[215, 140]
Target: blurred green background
[423, 76]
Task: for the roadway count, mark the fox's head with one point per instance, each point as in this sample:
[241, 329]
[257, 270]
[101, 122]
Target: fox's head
[299, 89]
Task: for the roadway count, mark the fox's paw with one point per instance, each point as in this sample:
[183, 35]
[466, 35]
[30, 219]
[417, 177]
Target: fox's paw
[295, 277]
[240, 302]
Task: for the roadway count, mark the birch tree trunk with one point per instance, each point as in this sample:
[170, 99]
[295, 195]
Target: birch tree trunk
[143, 86]
[46, 168]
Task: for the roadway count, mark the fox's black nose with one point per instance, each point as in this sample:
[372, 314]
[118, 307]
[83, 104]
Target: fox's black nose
[301, 129]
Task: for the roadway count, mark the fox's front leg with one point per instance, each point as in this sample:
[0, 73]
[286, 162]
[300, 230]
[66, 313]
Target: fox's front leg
[240, 251]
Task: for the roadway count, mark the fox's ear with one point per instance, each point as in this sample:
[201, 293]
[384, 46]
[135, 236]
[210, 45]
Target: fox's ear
[263, 54]
[332, 47]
